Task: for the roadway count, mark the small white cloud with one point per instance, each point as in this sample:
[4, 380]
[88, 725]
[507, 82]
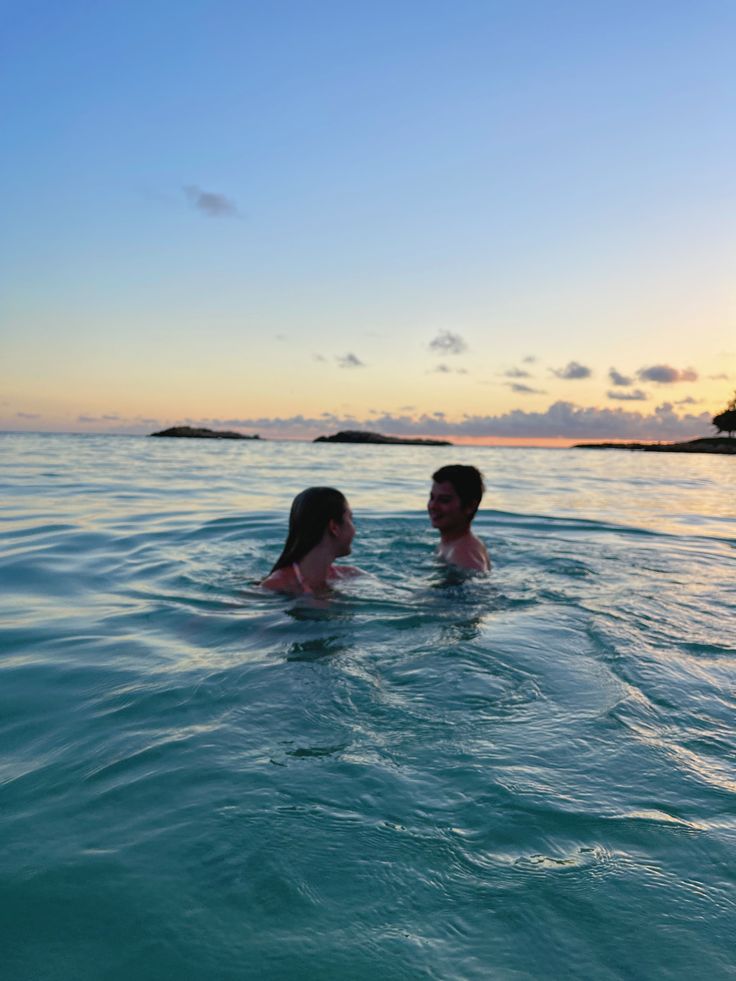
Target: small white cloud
[618, 379]
[572, 370]
[443, 369]
[521, 389]
[664, 374]
[349, 360]
[634, 396]
[448, 343]
[211, 204]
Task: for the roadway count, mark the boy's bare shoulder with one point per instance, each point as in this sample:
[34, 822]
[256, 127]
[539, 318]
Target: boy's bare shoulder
[467, 552]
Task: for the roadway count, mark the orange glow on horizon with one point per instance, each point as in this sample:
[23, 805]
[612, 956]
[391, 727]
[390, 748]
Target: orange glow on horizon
[561, 442]
[542, 442]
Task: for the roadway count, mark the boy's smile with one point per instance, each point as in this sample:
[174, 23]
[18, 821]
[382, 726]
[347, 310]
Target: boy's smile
[446, 511]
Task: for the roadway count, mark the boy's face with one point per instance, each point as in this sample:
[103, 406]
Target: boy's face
[446, 511]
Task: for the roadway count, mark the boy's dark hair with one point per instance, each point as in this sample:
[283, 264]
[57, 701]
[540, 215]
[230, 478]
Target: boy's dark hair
[467, 481]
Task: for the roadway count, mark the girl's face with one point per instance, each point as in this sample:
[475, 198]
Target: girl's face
[345, 531]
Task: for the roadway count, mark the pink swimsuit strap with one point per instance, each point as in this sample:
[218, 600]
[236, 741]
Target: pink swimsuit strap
[300, 578]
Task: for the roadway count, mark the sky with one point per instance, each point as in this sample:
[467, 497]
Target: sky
[485, 221]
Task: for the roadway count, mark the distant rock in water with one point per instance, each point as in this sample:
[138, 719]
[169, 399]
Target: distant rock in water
[706, 444]
[189, 432]
[359, 436]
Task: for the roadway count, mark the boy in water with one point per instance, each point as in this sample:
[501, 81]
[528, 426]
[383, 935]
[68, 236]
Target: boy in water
[455, 496]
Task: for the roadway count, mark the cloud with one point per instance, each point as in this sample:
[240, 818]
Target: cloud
[722, 377]
[562, 419]
[104, 418]
[448, 343]
[516, 373]
[27, 415]
[349, 361]
[664, 374]
[572, 370]
[319, 357]
[211, 204]
[634, 396]
[443, 369]
[618, 379]
[524, 389]
[688, 400]
[529, 359]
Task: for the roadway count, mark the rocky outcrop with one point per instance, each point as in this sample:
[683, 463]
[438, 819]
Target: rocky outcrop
[189, 432]
[706, 444]
[360, 436]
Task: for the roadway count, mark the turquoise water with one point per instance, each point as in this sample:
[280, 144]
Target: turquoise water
[526, 776]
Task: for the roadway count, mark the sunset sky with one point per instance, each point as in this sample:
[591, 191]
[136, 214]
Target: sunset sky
[482, 220]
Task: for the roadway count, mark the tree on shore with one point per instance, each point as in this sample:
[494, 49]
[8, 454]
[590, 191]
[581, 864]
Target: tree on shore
[725, 422]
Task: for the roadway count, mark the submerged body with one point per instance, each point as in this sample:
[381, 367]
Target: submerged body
[293, 579]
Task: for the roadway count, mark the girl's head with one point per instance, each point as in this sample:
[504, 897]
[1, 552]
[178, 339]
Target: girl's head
[315, 512]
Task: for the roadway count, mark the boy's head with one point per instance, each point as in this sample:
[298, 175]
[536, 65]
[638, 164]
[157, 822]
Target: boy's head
[467, 482]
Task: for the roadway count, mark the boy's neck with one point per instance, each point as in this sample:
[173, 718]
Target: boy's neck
[447, 537]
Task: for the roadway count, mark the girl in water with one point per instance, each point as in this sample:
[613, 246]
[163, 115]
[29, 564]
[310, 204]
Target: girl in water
[321, 530]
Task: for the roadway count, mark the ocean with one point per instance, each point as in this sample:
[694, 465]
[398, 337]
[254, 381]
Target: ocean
[526, 775]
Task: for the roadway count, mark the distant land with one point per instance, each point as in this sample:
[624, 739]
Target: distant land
[189, 432]
[706, 444]
[359, 436]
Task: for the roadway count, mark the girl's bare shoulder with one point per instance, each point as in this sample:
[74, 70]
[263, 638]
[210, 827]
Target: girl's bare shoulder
[282, 580]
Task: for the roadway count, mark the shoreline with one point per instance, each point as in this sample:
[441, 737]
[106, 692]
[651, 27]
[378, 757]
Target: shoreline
[718, 445]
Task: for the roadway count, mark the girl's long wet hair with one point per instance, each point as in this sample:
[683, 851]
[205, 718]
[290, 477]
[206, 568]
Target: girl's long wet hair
[311, 513]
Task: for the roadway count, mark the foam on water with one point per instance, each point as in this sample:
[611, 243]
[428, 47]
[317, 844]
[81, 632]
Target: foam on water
[530, 775]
